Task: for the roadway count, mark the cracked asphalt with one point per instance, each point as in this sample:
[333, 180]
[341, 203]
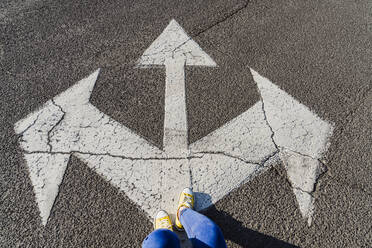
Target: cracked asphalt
[318, 52]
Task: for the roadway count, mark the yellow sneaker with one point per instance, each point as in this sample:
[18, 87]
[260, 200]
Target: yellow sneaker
[186, 201]
[163, 221]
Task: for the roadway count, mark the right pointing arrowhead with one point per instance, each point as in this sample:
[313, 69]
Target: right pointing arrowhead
[294, 125]
[173, 43]
[302, 173]
[301, 136]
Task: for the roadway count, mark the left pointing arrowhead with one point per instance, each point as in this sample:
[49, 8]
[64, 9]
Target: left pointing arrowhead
[175, 43]
[47, 169]
[36, 127]
[46, 173]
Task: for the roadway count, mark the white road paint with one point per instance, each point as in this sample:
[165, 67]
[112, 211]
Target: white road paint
[215, 175]
[295, 127]
[46, 173]
[302, 172]
[69, 123]
[175, 120]
[174, 43]
[174, 49]
[301, 136]
[246, 137]
[214, 165]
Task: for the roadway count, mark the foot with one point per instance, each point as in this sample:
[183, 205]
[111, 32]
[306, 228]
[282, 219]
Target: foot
[186, 201]
[163, 221]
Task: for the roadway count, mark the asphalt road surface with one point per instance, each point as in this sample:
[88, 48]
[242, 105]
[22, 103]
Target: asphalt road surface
[313, 56]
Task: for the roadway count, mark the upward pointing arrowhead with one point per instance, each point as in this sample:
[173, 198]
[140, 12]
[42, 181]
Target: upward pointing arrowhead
[175, 43]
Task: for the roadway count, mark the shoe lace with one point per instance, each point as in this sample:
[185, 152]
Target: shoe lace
[188, 199]
[164, 223]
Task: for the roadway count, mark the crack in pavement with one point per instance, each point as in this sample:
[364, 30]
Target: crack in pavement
[59, 122]
[189, 157]
[230, 15]
[194, 35]
[281, 148]
[109, 155]
[31, 125]
[262, 163]
[303, 191]
[266, 120]
[322, 172]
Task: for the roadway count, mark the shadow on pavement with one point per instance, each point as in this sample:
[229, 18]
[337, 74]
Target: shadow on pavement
[236, 232]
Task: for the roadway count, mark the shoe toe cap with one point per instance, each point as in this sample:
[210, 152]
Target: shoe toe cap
[188, 191]
[161, 214]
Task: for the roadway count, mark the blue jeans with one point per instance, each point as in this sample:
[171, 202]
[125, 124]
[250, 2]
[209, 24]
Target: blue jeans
[202, 232]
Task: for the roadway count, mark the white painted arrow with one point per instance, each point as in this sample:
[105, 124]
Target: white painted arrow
[214, 165]
[299, 134]
[174, 49]
[302, 138]
[69, 124]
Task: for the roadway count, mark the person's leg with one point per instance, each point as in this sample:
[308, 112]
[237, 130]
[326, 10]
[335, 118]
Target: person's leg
[202, 231]
[161, 238]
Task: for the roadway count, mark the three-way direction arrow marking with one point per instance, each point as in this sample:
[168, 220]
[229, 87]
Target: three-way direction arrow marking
[276, 127]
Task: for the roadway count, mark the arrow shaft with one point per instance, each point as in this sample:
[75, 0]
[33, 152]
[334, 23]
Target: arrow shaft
[175, 141]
